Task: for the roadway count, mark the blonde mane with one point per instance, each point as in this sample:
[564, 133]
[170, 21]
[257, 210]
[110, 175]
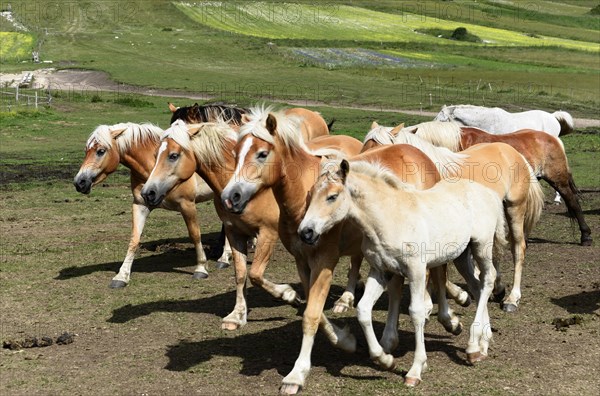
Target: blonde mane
[208, 144]
[288, 127]
[134, 134]
[372, 170]
[438, 133]
[381, 135]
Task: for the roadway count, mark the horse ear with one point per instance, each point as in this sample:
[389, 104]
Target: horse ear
[193, 129]
[344, 169]
[117, 132]
[172, 107]
[397, 129]
[374, 125]
[245, 118]
[271, 124]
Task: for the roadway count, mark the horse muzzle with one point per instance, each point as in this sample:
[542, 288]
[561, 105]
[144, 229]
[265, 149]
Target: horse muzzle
[83, 184]
[234, 199]
[308, 235]
[152, 197]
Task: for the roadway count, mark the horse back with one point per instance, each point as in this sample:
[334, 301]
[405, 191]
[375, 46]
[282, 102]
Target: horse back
[312, 125]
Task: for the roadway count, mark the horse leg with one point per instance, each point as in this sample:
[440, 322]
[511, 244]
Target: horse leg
[445, 315]
[374, 287]
[515, 216]
[188, 211]
[346, 301]
[557, 198]
[465, 267]
[321, 273]
[417, 311]
[460, 296]
[237, 317]
[223, 261]
[566, 188]
[389, 340]
[139, 215]
[481, 330]
[265, 243]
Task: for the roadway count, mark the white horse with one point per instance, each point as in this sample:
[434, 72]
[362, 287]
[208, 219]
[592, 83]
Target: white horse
[498, 121]
[405, 232]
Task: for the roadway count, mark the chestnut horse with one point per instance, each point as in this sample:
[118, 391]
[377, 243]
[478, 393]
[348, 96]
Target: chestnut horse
[545, 154]
[271, 157]
[134, 146]
[208, 149]
[499, 167]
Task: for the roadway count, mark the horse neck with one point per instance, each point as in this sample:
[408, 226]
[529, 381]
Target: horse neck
[299, 172]
[218, 175]
[140, 159]
[471, 136]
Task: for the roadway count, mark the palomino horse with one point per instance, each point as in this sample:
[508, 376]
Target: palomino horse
[545, 154]
[208, 149]
[134, 146]
[499, 167]
[406, 232]
[270, 156]
[498, 121]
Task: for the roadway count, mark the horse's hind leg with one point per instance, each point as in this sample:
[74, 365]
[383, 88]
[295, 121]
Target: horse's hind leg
[188, 211]
[346, 301]
[265, 243]
[515, 219]
[389, 339]
[460, 296]
[139, 215]
[445, 315]
[566, 187]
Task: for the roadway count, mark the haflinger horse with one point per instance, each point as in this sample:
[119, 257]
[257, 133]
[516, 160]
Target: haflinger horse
[545, 154]
[405, 232]
[134, 146]
[271, 157]
[497, 166]
[207, 149]
[499, 121]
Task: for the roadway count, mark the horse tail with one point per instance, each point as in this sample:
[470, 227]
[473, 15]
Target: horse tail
[501, 231]
[330, 124]
[566, 122]
[534, 202]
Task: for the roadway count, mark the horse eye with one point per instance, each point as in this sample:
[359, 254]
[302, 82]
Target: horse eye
[332, 198]
[173, 156]
[262, 155]
[100, 152]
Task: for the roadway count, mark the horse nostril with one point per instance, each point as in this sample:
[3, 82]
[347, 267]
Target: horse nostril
[236, 197]
[307, 234]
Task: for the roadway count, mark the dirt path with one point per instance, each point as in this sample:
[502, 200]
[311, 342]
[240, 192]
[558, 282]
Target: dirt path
[91, 80]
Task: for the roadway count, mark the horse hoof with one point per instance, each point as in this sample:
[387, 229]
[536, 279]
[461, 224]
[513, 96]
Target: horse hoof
[229, 326]
[221, 265]
[412, 382]
[467, 302]
[289, 389]
[340, 308]
[587, 241]
[200, 275]
[509, 307]
[117, 284]
[475, 357]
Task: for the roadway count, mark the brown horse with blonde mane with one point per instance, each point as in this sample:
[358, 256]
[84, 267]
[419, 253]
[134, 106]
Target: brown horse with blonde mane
[545, 153]
[134, 146]
[207, 149]
[271, 157]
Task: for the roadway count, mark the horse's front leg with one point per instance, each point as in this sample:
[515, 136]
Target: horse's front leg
[445, 315]
[389, 339]
[346, 301]
[321, 274]
[188, 211]
[374, 287]
[265, 244]
[237, 318]
[417, 311]
[138, 220]
[223, 261]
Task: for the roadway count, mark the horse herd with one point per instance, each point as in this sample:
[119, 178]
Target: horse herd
[408, 199]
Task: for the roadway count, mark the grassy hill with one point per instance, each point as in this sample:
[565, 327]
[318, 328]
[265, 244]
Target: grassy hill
[544, 54]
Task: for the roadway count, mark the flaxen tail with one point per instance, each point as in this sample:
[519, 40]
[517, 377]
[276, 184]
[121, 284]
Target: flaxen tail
[534, 203]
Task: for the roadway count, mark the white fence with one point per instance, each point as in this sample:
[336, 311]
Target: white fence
[15, 98]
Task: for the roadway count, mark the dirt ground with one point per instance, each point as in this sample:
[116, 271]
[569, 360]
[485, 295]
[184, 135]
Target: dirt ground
[162, 336]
